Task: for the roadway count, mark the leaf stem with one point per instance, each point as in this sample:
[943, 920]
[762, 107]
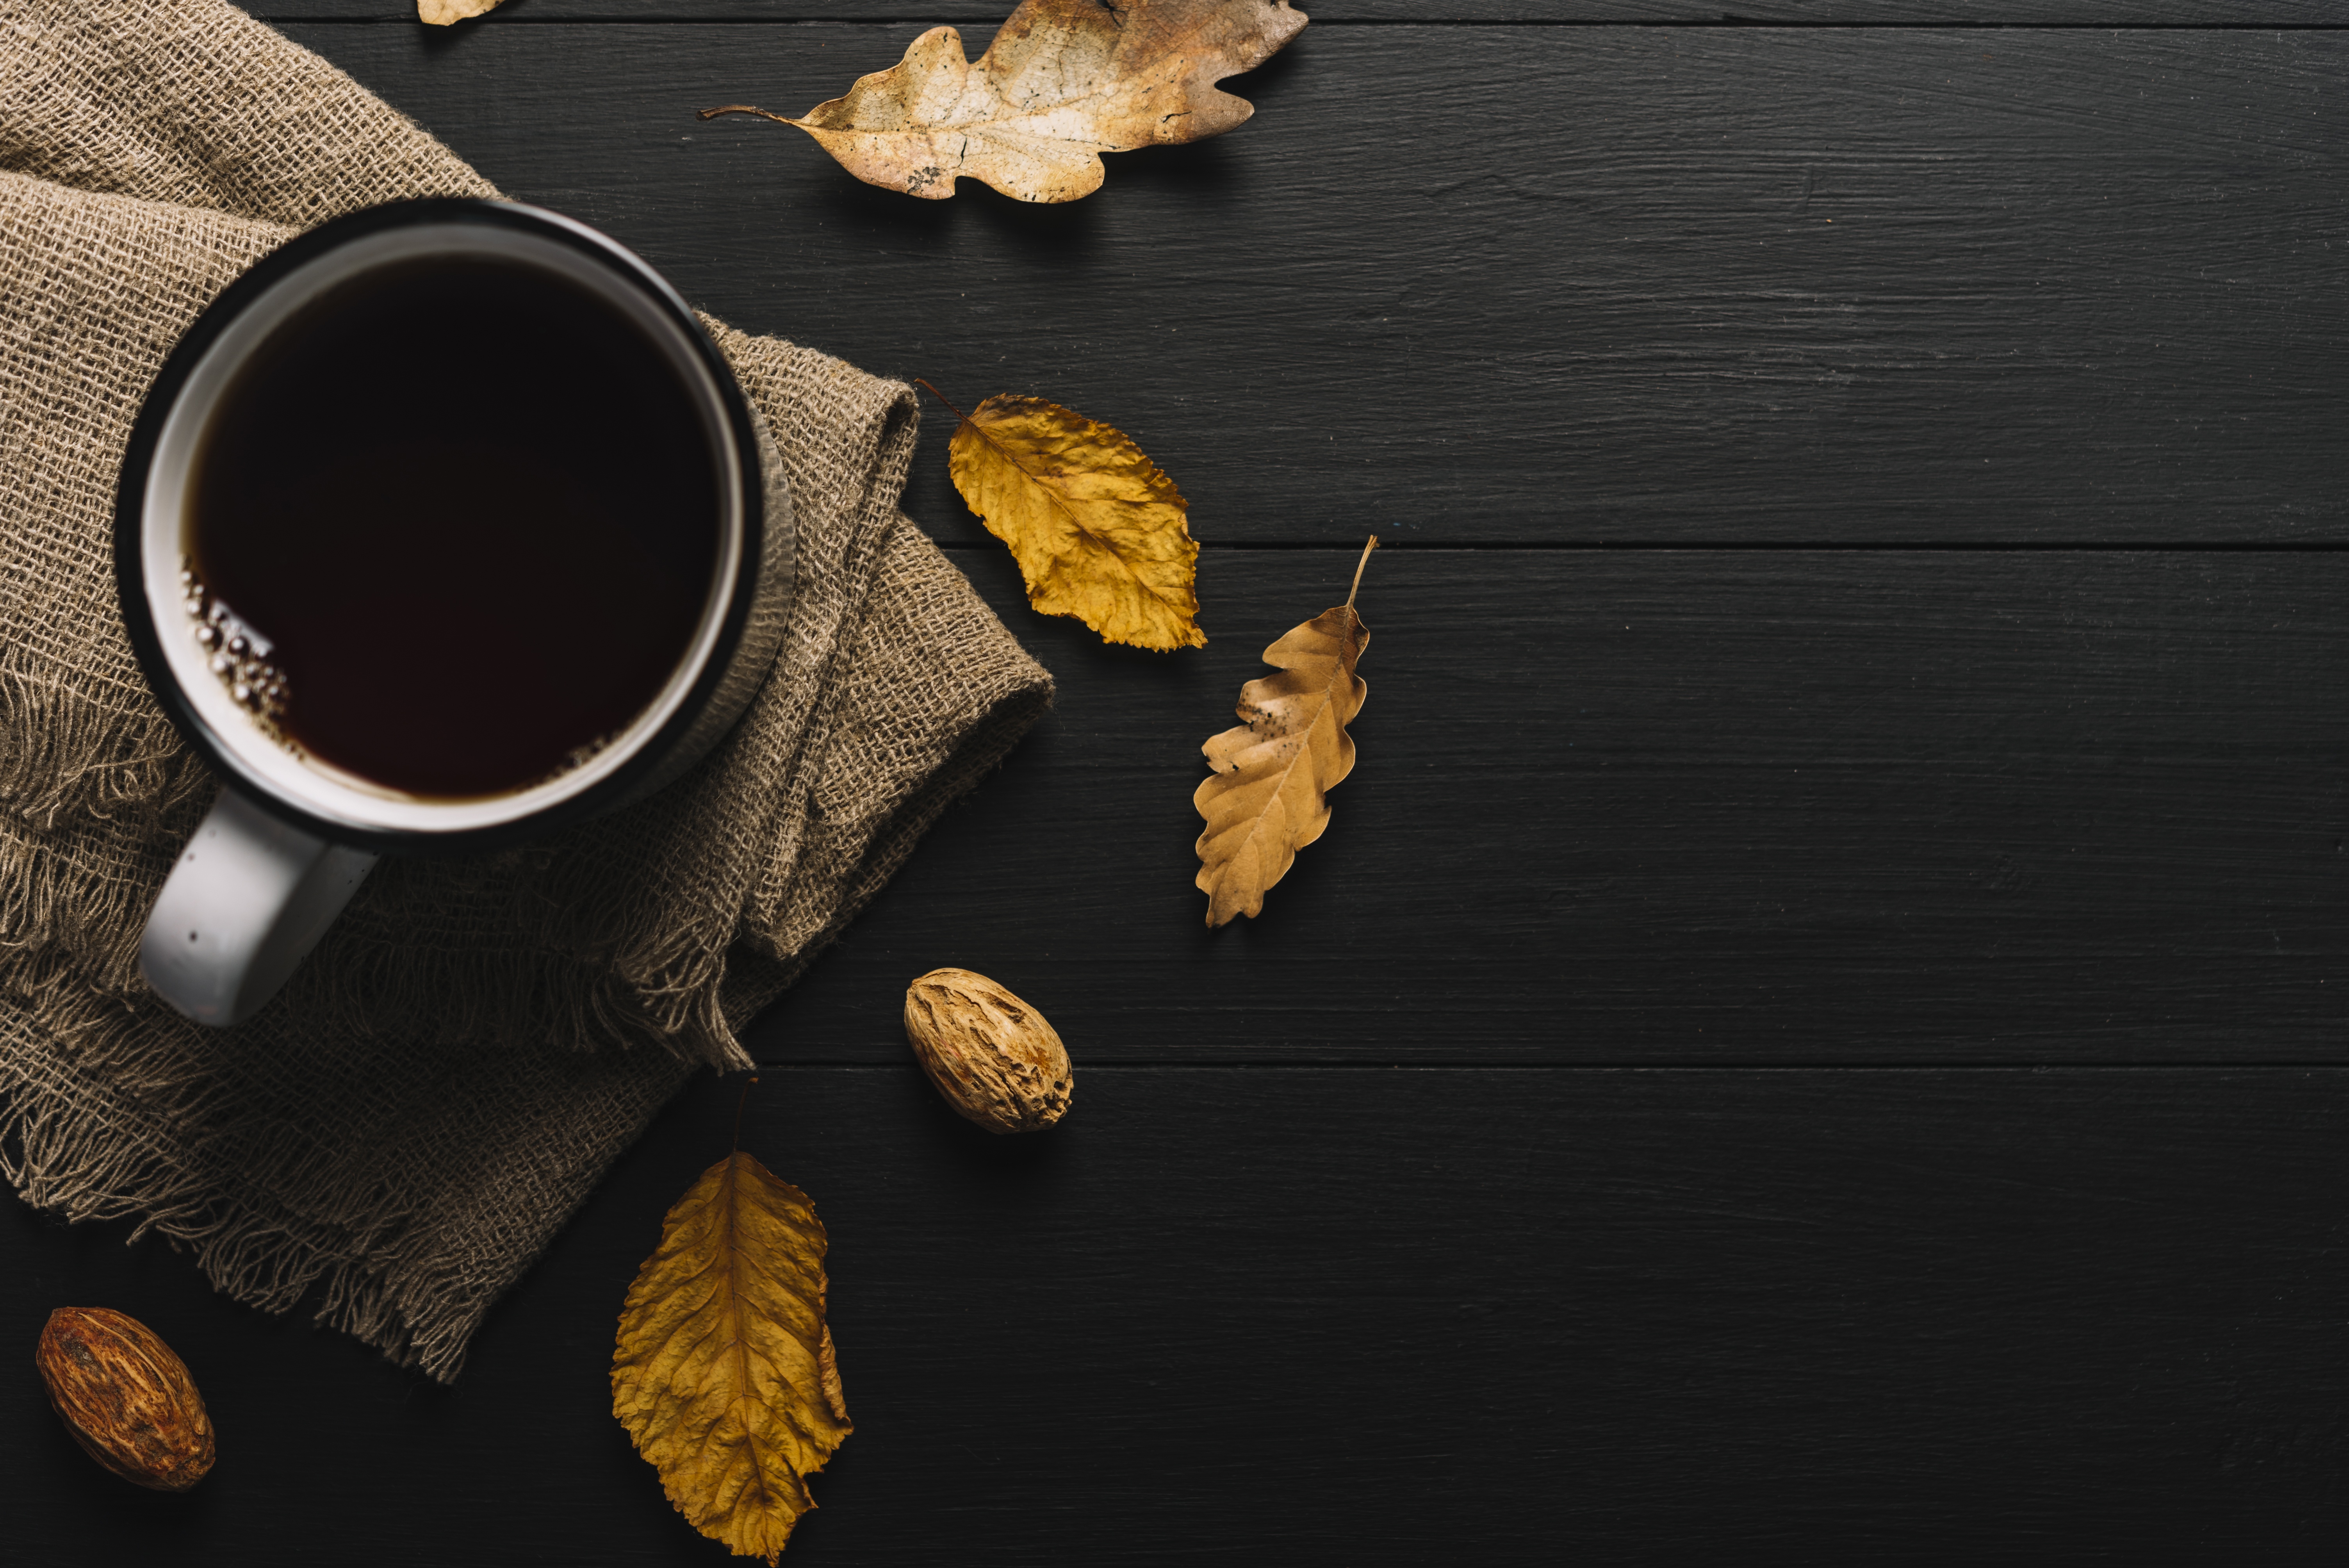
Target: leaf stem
[1365, 561]
[738, 1108]
[957, 413]
[745, 108]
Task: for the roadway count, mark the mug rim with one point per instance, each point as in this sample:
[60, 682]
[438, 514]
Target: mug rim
[132, 570]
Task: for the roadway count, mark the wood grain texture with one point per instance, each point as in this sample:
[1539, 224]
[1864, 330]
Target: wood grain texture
[2080, 811]
[1373, 1317]
[1960, 12]
[1494, 284]
[1680, 805]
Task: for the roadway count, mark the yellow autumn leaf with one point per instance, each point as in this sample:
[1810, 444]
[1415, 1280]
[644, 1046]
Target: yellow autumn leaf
[723, 1374]
[1063, 82]
[1099, 530]
[1268, 798]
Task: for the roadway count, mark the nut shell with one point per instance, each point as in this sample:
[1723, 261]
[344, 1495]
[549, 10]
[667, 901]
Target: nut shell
[991, 1054]
[127, 1399]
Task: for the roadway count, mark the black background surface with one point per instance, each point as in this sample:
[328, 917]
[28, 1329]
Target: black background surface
[1818, 1025]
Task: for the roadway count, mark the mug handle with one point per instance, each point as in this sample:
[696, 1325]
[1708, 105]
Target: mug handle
[246, 901]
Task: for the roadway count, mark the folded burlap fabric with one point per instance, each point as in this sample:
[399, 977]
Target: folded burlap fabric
[400, 1134]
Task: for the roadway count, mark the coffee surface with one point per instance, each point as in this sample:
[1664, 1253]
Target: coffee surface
[469, 514]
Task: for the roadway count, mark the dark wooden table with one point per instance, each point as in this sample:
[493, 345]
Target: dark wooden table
[1818, 1026]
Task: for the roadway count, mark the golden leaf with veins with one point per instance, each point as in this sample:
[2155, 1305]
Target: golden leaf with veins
[1099, 530]
[723, 1372]
[1268, 797]
[1063, 82]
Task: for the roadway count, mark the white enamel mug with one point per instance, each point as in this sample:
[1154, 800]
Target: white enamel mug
[289, 841]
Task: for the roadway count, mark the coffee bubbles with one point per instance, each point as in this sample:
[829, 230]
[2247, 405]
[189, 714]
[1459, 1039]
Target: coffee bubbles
[240, 657]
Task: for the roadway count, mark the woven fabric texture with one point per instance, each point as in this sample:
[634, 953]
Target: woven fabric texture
[400, 1134]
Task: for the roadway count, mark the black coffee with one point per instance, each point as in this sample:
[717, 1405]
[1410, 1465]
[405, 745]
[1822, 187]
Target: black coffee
[453, 528]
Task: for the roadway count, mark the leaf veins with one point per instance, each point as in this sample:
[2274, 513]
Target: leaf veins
[1268, 797]
[723, 1371]
[1063, 82]
[1099, 531]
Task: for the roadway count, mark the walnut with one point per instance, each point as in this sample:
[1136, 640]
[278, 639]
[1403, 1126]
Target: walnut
[127, 1399]
[991, 1054]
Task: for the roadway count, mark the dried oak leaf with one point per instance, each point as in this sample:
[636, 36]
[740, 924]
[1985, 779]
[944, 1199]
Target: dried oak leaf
[1063, 82]
[447, 12]
[723, 1372]
[1268, 798]
[1099, 530]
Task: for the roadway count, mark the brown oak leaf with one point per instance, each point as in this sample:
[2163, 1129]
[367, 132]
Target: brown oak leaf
[449, 13]
[1268, 798]
[1063, 82]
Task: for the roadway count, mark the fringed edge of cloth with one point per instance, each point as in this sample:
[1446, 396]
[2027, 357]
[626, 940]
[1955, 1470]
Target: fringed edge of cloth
[63, 756]
[70, 1145]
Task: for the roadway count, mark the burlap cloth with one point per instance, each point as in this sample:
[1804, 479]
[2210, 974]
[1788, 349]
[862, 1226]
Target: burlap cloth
[398, 1136]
